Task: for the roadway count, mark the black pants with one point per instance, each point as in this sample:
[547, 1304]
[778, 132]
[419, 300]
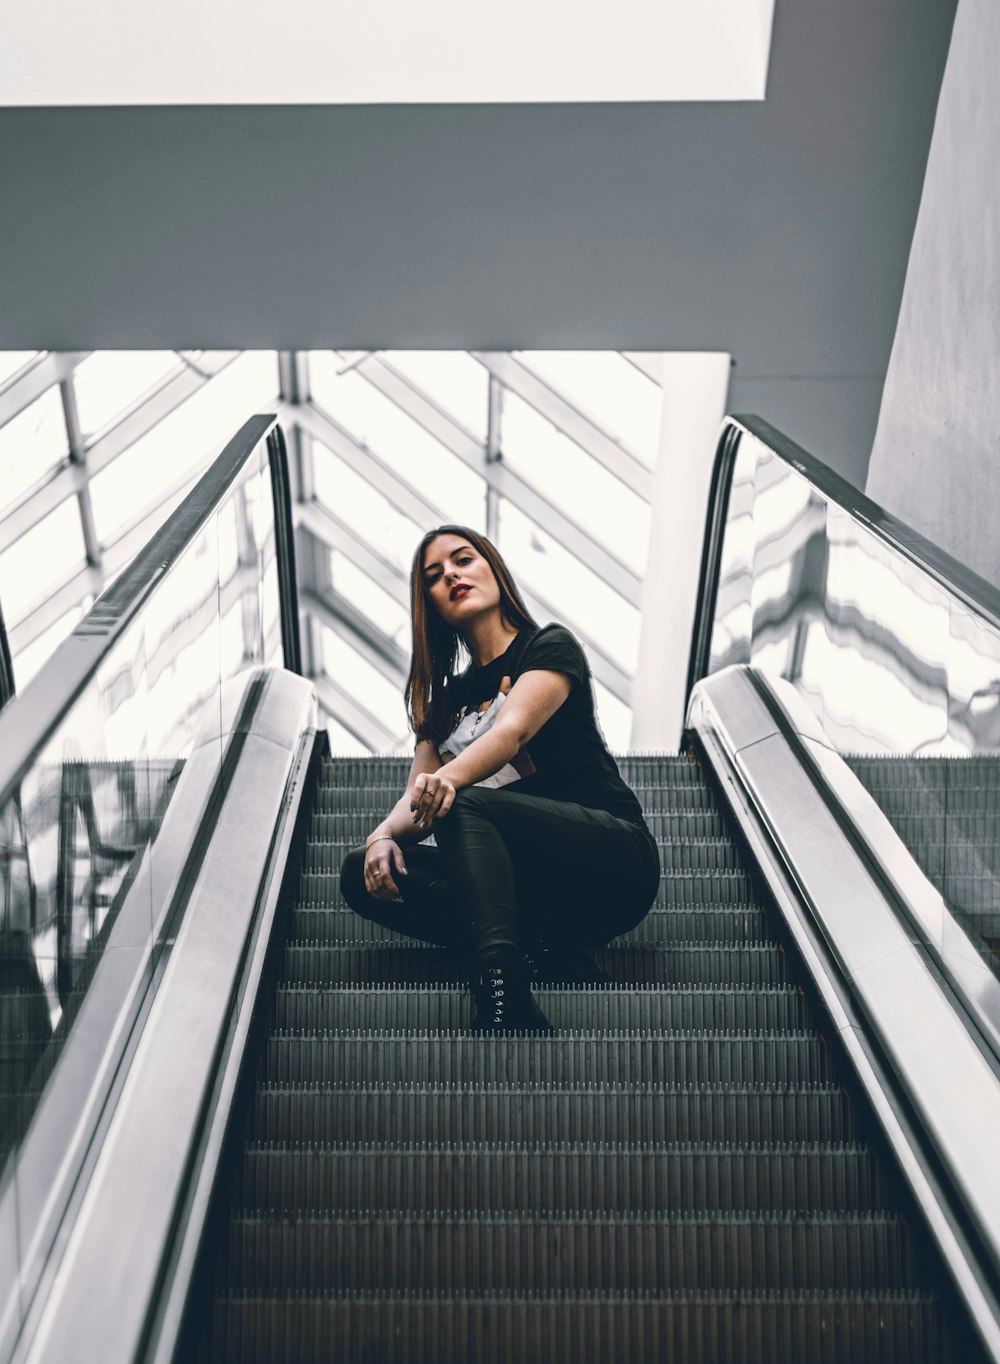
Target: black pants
[512, 872]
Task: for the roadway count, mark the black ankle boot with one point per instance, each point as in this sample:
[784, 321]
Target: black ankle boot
[502, 1000]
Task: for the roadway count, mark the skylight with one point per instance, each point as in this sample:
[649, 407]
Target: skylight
[439, 52]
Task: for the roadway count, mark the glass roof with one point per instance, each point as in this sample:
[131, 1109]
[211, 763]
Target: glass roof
[549, 453]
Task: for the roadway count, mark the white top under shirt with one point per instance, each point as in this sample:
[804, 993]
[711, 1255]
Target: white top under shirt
[470, 726]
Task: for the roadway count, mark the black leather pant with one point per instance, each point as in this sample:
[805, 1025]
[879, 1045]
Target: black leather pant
[511, 872]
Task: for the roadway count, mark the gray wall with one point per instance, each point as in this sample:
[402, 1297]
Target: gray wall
[935, 460]
[775, 231]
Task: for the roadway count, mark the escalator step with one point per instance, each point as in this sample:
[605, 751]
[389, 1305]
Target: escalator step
[676, 888]
[737, 923]
[946, 827]
[687, 798]
[401, 1009]
[910, 799]
[351, 825]
[556, 1254]
[520, 1179]
[696, 1328]
[680, 1172]
[693, 854]
[445, 1114]
[568, 1058]
[651, 964]
[634, 767]
[938, 772]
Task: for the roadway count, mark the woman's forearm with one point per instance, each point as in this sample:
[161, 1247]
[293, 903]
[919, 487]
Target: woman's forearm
[398, 823]
[484, 756]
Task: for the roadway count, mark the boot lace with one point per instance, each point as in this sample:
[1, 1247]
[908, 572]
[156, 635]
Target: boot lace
[497, 992]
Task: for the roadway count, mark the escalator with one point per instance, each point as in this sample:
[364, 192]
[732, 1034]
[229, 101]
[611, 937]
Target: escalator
[684, 1171]
[245, 1124]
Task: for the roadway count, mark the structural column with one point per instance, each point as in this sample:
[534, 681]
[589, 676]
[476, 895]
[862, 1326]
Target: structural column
[695, 388]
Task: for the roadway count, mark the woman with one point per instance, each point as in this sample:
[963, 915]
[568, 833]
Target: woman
[542, 851]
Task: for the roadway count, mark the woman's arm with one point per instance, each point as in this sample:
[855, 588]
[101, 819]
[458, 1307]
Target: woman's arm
[534, 698]
[384, 856]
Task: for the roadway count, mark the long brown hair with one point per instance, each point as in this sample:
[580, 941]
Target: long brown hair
[436, 644]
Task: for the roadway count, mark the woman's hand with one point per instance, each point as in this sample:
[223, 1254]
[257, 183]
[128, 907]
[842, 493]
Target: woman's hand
[383, 857]
[433, 794]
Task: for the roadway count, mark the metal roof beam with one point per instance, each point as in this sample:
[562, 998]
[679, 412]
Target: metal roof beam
[138, 421]
[563, 529]
[354, 718]
[328, 529]
[38, 376]
[335, 612]
[363, 462]
[569, 420]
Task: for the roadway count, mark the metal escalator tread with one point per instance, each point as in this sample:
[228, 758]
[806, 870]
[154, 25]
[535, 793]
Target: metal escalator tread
[947, 812]
[706, 923]
[679, 1173]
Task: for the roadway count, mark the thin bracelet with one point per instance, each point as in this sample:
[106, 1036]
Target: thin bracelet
[382, 838]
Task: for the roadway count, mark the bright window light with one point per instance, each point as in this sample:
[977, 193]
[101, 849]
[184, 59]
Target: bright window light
[31, 444]
[109, 382]
[41, 560]
[620, 399]
[439, 52]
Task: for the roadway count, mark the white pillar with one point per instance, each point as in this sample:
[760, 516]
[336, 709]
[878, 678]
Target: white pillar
[695, 387]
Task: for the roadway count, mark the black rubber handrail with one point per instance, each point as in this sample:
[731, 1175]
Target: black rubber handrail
[27, 726]
[6, 666]
[976, 593]
[284, 548]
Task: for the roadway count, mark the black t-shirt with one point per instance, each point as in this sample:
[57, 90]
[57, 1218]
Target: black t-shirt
[567, 759]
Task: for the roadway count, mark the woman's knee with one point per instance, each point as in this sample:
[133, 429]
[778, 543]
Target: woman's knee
[469, 802]
[352, 879]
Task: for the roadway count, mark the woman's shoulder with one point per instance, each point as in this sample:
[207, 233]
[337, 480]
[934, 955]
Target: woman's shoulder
[554, 646]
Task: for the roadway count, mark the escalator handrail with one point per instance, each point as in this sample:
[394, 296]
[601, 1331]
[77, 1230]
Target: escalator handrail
[6, 666]
[27, 725]
[976, 593]
[835, 878]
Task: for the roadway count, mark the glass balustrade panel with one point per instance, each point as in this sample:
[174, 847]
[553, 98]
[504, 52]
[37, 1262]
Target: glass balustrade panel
[89, 853]
[902, 674]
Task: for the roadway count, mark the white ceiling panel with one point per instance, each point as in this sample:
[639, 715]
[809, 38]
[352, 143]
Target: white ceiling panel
[114, 52]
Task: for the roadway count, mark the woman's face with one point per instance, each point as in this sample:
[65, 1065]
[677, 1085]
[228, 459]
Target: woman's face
[460, 583]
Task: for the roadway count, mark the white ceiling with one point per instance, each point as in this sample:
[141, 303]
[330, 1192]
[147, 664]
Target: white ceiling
[117, 52]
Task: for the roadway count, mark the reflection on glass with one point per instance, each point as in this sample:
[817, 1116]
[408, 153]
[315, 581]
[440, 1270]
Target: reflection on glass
[30, 658]
[625, 403]
[732, 628]
[109, 382]
[375, 422]
[41, 560]
[973, 658]
[904, 677]
[82, 868]
[31, 444]
[573, 481]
